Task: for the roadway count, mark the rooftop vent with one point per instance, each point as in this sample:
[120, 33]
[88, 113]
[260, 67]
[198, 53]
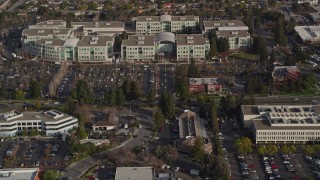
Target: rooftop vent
[56, 31]
[49, 22]
[108, 24]
[93, 42]
[190, 41]
[140, 37]
[230, 24]
[96, 24]
[148, 19]
[140, 42]
[216, 24]
[189, 37]
[40, 31]
[182, 18]
[48, 42]
[234, 32]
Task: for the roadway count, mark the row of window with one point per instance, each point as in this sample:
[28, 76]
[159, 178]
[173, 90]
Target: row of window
[289, 133]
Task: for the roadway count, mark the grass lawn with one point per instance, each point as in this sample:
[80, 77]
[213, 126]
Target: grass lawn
[245, 56]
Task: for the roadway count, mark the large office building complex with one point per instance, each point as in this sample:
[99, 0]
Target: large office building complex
[282, 123]
[90, 42]
[151, 25]
[234, 30]
[182, 47]
[51, 122]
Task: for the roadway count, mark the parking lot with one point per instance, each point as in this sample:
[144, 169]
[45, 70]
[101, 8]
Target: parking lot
[35, 153]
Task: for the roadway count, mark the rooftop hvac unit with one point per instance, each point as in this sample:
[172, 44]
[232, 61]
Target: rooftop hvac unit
[140, 42]
[49, 22]
[48, 42]
[93, 42]
[234, 32]
[108, 24]
[40, 31]
[190, 41]
[140, 37]
[189, 37]
[148, 19]
[56, 31]
[96, 24]
[216, 24]
[182, 18]
[230, 24]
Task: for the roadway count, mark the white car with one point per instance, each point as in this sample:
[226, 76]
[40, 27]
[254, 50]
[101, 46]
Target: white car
[286, 162]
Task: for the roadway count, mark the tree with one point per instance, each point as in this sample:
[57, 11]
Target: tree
[285, 149]
[158, 119]
[197, 151]
[127, 6]
[214, 118]
[81, 133]
[166, 104]
[262, 150]
[82, 93]
[24, 132]
[50, 175]
[262, 50]
[170, 154]
[244, 145]
[37, 105]
[19, 94]
[34, 132]
[151, 97]
[3, 92]
[110, 97]
[292, 148]
[223, 44]
[120, 97]
[158, 151]
[92, 6]
[272, 149]
[280, 36]
[135, 90]
[193, 71]
[309, 150]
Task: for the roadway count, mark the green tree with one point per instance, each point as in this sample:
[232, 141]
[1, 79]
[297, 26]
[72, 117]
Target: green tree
[37, 105]
[19, 94]
[158, 119]
[110, 97]
[34, 132]
[280, 36]
[120, 97]
[197, 151]
[170, 154]
[82, 93]
[272, 149]
[262, 49]
[214, 117]
[244, 145]
[193, 71]
[127, 6]
[3, 92]
[292, 148]
[135, 90]
[167, 106]
[24, 132]
[309, 150]
[81, 133]
[158, 151]
[92, 6]
[151, 97]
[285, 149]
[50, 175]
[262, 150]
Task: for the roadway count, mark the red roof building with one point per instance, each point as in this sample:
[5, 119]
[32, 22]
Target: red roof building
[204, 85]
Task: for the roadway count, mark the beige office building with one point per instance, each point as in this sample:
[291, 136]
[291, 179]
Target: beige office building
[193, 46]
[100, 28]
[150, 25]
[282, 123]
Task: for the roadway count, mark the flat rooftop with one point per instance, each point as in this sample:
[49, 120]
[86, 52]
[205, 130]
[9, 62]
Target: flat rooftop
[134, 173]
[52, 42]
[45, 32]
[19, 173]
[265, 125]
[166, 18]
[139, 40]
[99, 24]
[233, 33]
[95, 40]
[308, 32]
[191, 39]
[47, 116]
[200, 81]
[223, 23]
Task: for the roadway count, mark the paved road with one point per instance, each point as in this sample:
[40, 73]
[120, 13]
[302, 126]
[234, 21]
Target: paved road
[17, 4]
[75, 170]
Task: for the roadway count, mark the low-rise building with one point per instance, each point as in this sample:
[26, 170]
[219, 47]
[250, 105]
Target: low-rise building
[51, 24]
[165, 45]
[141, 173]
[282, 123]
[234, 30]
[100, 28]
[190, 125]
[148, 25]
[308, 34]
[110, 123]
[204, 85]
[20, 173]
[192, 46]
[284, 74]
[52, 122]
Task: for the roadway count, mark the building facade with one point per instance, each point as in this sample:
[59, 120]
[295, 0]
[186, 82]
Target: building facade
[181, 47]
[89, 42]
[204, 86]
[190, 125]
[52, 122]
[283, 123]
[234, 30]
[151, 25]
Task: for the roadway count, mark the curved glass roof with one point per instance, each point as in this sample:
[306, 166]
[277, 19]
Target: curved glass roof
[165, 36]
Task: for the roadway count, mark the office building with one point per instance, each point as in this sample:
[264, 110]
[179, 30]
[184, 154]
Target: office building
[110, 122]
[51, 24]
[282, 123]
[151, 25]
[308, 34]
[193, 46]
[99, 28]
[20, 173]
[141, 173]
[86, 42]
[190, 125]
[52, 122]
[204, 85]
[234, 30]
[165, 45]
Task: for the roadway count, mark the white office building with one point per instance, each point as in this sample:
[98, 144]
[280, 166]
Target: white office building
[51, 122]
[282, 123]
